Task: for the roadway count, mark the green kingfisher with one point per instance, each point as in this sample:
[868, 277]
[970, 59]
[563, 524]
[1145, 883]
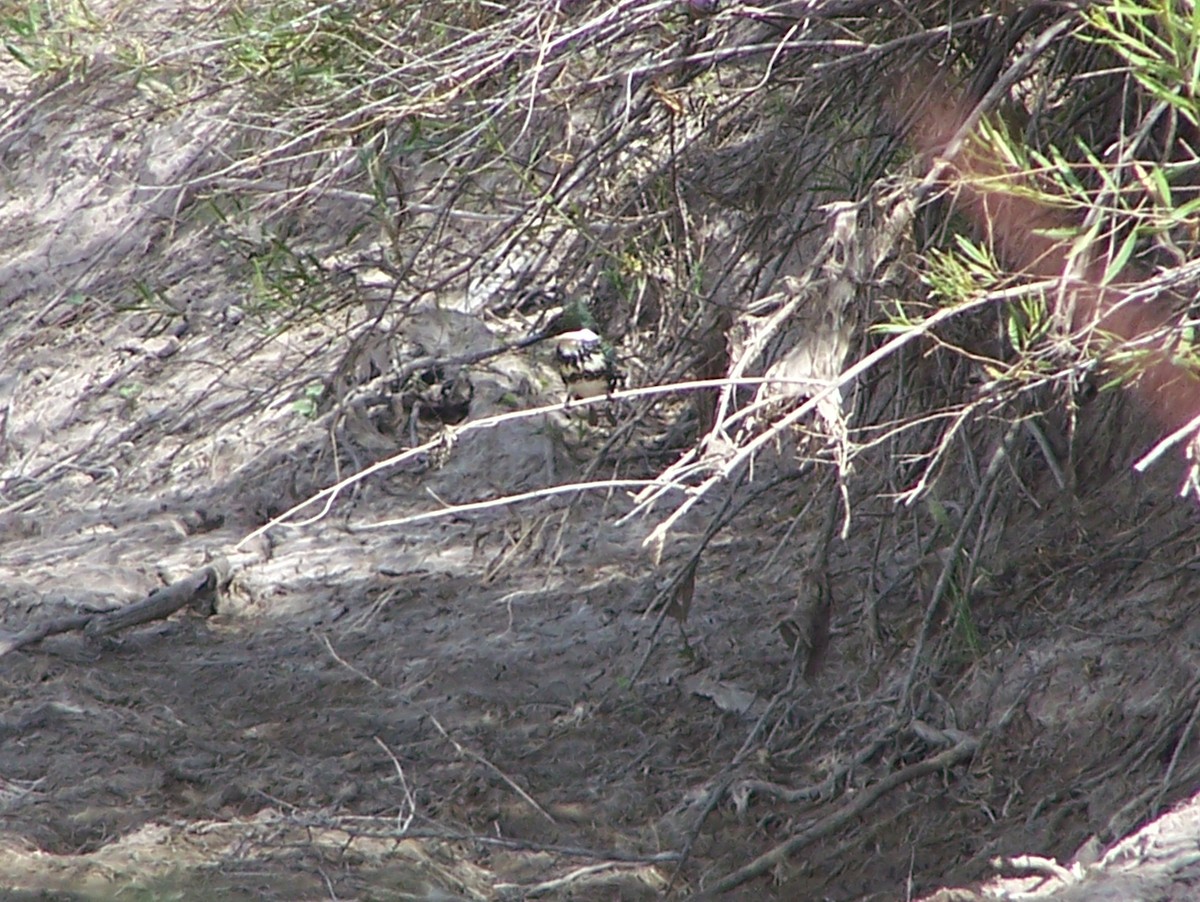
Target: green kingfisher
[587, 366]
[585, 361]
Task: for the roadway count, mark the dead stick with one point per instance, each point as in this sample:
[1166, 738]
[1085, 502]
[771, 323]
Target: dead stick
[162, 602]
[158, 604]
[31, 635]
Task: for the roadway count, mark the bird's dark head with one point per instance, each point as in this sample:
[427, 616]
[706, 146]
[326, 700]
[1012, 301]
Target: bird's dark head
[574, 316]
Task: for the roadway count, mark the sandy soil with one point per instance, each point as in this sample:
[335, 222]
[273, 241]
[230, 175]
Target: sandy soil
[480, 706]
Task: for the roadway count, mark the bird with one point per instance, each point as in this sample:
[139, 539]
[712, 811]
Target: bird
[585, 361]
[587, 365]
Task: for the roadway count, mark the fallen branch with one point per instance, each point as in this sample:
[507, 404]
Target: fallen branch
[827, 825]
[196, 589]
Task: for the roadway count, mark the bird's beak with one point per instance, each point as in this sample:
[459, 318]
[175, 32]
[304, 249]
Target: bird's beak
[532, 339]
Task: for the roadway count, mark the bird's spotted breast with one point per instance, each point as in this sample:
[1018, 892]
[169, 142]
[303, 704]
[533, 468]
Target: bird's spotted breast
[586, 367]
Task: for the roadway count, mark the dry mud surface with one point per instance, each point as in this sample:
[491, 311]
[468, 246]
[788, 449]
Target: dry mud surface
[455, 708]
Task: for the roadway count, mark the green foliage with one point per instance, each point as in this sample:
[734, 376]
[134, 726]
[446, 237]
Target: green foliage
[356, 61]
[1159, 40]
[149, 299]
[953, 277]
[47, 39]
[962, 274]
[964, 622]
[129, 392]
[308, 405]
[1026, 321]
[897, 319]
[1125, 362]
[281, 278]
[303, 49]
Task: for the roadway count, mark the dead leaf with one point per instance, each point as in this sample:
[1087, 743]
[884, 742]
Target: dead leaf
[670, 99]
[681, 599]
[806, 632]
[729, 698]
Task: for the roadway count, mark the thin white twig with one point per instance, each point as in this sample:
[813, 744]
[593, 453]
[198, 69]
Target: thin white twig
[1187, 430]
[452, 434]
[402, 822]
[507, 500]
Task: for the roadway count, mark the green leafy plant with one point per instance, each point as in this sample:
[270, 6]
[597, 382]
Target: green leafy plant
[957, 275]
[47, 39]
[1026, 322]
[308, 405]
[1159, 40]
[282, 279]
